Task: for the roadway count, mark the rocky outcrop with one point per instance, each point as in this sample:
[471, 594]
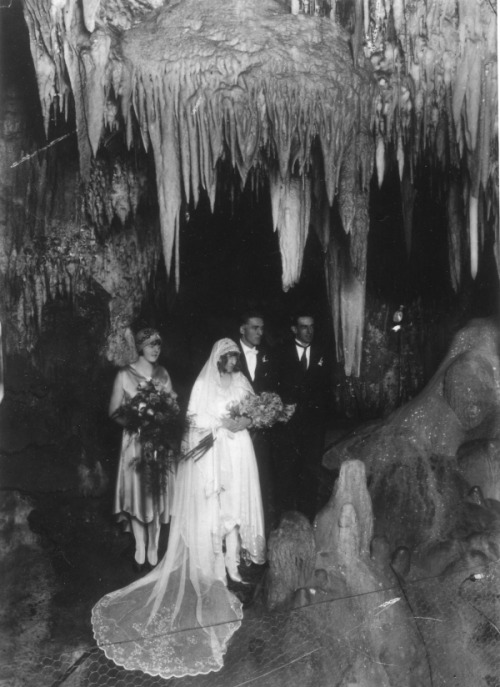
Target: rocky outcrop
[411, 457]
[351, 608]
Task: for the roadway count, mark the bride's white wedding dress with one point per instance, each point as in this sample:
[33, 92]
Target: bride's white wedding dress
[178, 619]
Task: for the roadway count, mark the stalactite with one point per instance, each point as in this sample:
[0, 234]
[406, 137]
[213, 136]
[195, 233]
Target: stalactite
[291, 207]
[380, 160]
[473, 234]
[90, 8]
[333, 276]
[347, 299]
[94, 60]
[287, 86]
[408, 200]
[400, 156]
[347, 187]
[163, 133]
[455, 231]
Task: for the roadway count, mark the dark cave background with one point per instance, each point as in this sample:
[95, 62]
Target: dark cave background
[230, 262]
[59, 450]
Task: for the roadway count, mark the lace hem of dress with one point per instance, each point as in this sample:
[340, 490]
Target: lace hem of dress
[157, 649]
[254, 545]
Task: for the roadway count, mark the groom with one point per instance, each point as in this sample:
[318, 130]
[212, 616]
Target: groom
[255, 362]
[304, 379]
[257, 367]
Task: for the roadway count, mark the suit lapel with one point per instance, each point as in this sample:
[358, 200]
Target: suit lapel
[313, 358]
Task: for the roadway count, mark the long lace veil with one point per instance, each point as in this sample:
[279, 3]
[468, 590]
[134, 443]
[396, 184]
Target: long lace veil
[178, 619]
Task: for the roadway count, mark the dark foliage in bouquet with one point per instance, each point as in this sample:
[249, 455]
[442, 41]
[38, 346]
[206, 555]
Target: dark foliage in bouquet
[155, 416]
[265, 409]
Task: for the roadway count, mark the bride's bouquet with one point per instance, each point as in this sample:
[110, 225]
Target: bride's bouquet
[265, 409]
[154, 415]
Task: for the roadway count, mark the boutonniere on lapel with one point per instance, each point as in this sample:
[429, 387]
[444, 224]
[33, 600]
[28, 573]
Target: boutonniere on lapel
[320, 362]
[265, 359]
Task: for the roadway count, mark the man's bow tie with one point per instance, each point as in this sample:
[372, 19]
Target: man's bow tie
[251, 351]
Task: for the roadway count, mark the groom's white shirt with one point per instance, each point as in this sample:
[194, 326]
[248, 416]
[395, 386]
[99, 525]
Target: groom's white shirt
[250, 357]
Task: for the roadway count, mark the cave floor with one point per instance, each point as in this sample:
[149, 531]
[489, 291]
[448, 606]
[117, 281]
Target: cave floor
[60, 552]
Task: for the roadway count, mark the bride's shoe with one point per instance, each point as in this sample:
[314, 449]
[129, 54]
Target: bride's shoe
[233, 573]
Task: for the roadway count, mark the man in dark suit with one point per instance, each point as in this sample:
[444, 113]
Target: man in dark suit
[256, 362]
[303, 379]
[257, 366]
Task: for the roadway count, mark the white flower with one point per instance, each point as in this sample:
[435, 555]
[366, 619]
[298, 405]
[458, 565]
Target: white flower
[320, 361]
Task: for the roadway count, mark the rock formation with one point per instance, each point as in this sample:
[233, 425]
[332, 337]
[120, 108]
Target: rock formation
[351, 608]
[404, 595]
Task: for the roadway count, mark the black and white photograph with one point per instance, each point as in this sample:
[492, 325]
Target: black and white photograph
[249, 343]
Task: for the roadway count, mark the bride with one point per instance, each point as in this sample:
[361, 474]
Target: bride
[178, 619]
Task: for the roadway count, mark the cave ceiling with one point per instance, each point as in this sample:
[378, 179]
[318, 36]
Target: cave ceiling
[318, 103]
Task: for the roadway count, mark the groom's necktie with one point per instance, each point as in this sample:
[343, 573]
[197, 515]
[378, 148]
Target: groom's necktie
[303, 357]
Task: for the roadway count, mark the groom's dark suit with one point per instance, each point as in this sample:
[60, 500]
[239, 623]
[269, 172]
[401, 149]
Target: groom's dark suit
[264, 380]
[265, 374]
[301, 442]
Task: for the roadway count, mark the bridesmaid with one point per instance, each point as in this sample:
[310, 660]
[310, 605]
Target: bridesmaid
[134, 504]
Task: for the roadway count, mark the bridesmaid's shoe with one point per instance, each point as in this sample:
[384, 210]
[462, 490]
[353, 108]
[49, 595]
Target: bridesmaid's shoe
[152, 563]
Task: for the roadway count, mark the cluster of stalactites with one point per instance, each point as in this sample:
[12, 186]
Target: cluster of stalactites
[52, 253]
[190, 124]
[436, 63]
[72, 264]
[267, 124]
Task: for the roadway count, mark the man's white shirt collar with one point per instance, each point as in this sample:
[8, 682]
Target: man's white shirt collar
[251, 358]
[248, 349]
[301, 348]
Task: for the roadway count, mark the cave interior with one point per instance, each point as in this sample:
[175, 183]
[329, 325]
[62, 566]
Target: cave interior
[174, 163]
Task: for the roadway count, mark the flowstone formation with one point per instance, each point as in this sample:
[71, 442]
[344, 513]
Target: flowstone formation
[418, 457]
[432, 472]
[363, 612]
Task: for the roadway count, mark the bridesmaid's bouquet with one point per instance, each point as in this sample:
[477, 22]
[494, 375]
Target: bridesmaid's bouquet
[265, 409]
[154, 415]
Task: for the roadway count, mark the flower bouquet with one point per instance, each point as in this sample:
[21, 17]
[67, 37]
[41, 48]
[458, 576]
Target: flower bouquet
[263, 409]
[154, 415]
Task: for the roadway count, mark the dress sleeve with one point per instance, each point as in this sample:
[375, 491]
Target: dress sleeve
[200, 415]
